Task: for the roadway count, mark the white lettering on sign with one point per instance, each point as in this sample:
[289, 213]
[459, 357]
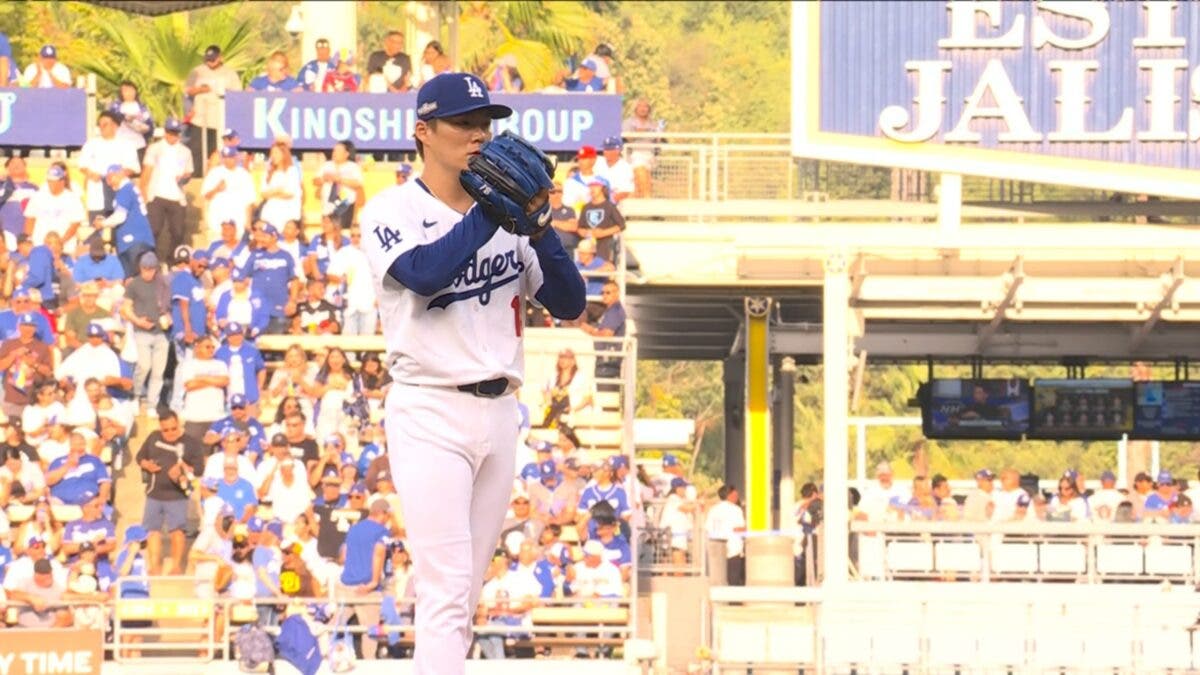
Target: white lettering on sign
[962, 26]
[1080, 26]
[1073, 102]
[6, 662]
[47, 663]
[1007, 106]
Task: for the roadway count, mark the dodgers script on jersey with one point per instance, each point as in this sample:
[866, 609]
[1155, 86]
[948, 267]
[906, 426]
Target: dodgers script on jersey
[468, 331]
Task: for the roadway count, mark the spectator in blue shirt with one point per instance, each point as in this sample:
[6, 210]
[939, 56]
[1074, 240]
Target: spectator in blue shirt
[322, 247]
[268, 561]
[273, 274]
[189, 313]
[363, 556]
[98, 265]
[6, 558]
[22, 305]
[585, 79]
[276, 78]
[243, 303]
[130, 228]
[237, 492]
[247, 371]
[91, 528]
[230, 246]
[611, 324]
[1158, 503]
[131, 562]
[312, 75]
[78, 477]
[15, 193]
[34, 268]
[239, 418]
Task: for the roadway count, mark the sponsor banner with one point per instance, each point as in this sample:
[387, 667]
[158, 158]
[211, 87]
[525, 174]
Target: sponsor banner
[43, 117]
[1088, 88]
[51, 652]
[552, 122]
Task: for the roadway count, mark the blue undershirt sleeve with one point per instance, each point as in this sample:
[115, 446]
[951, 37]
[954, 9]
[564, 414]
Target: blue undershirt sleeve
[428, 268]
[563, 293]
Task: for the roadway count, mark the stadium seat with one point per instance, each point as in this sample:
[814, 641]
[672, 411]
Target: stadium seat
[1119, 559]
[1169, 559]
[1062, 558]
[953, 556]
[910, 556]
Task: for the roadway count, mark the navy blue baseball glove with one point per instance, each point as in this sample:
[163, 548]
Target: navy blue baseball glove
[504, 178]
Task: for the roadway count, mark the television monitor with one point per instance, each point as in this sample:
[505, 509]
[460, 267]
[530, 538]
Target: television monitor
[1168, 411]
[1082, 409]
[976, 408]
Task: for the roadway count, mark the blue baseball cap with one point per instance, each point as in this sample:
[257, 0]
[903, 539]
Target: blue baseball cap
[1071, 474]
[21, 293]
[48, 52]
[590, 64]
[199, 255]
[404, 169]
[229, 151]
[237, 401]
[529, 471]
[599, 180]
[26, 320]
[678, 482]
[984, 474]
[1164, 477]
[210, 483]
[547, 469]
[268, 228]
[56, 173]
[172, 125]
[229, 133]
[613, 143]
[1108, 475]
[543, 446]
[96, 330]
[620, 462]
[276, 528]
[238, 274]
[114, 168]
[255, 525]
[1023, 499]
[136, 533]
[670, 460]
[221, 261]
[359, 488]
[452, 94]
[234, 328]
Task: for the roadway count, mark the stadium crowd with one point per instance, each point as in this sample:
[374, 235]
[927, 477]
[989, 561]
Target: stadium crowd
[125, 340]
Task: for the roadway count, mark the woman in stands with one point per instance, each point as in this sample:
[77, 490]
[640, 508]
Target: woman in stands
[43, 525]
[294, 378]
[295, 244]
[375, 380]
[137, 123]
[282, 188]
[335, 384]
[1068, 505]
[566, 393]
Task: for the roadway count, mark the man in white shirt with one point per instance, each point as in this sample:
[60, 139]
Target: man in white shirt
[595, 577]
[204, 380]
[47, 72]
[726, 522]
[615, 169]
[93, 359]
[54, 208]
[229, 194]
[99, 153]
[166, 169]
[1011, 501]
[883, 493]
[204, 97]
[1104, 502]
[232, 444]
[288, 491]
[349, 266]
[978, 506]
[278, 454]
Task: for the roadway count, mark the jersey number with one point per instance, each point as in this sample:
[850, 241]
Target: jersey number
[516, 307]
[387, 237]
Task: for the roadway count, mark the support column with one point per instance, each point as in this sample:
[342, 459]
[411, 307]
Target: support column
[950, 202]
[783, 425]
[758, 415]
[734, 376]
[334, 21]
[835, 546]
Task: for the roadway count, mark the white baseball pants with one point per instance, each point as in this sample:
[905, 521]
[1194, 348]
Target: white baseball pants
[452, 455]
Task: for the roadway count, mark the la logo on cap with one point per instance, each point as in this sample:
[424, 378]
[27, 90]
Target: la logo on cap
[473, 88]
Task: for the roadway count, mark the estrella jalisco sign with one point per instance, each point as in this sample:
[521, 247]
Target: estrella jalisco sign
[1094, 94]
[553, 122]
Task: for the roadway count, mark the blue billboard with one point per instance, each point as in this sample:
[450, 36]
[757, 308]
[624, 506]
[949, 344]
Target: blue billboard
[553, 122]
[43, 117]
[979, 87]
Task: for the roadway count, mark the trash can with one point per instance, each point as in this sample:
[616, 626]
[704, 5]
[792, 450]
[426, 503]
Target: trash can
[769, 560]
[718, 567]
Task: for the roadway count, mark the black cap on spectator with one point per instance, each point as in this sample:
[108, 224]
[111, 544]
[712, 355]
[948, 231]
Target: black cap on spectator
[604, 49]
[279, 441]
[212, 52]
[116, 118]
[87, 546]
[183, 254]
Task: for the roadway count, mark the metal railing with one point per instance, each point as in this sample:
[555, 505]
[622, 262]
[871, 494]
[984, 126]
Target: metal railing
[1029, 551]
[175, 629]
[664, 550]
[716, 167]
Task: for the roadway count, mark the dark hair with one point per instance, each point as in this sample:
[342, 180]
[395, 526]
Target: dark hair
[809, 490]
[112, 116]
[421, 146]
[437, 47]
[724, 491]
[347, 369]
[349, 146]
[137, 92]
[855, 497]
[168, 415]
[281, 415]
[66, 173]
[938, 480]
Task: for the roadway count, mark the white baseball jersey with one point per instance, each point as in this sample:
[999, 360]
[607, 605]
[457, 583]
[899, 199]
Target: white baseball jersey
[467, 332]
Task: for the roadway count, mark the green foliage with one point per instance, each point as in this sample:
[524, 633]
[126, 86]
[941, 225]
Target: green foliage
[541, 35]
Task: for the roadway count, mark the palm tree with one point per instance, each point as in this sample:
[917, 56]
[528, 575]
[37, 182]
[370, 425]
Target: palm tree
[158, 54]
[540, 34]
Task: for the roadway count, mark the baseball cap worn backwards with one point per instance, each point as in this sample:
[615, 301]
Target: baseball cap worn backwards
[451, 94]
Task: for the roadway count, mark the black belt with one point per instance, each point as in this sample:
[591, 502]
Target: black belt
[487, 388]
